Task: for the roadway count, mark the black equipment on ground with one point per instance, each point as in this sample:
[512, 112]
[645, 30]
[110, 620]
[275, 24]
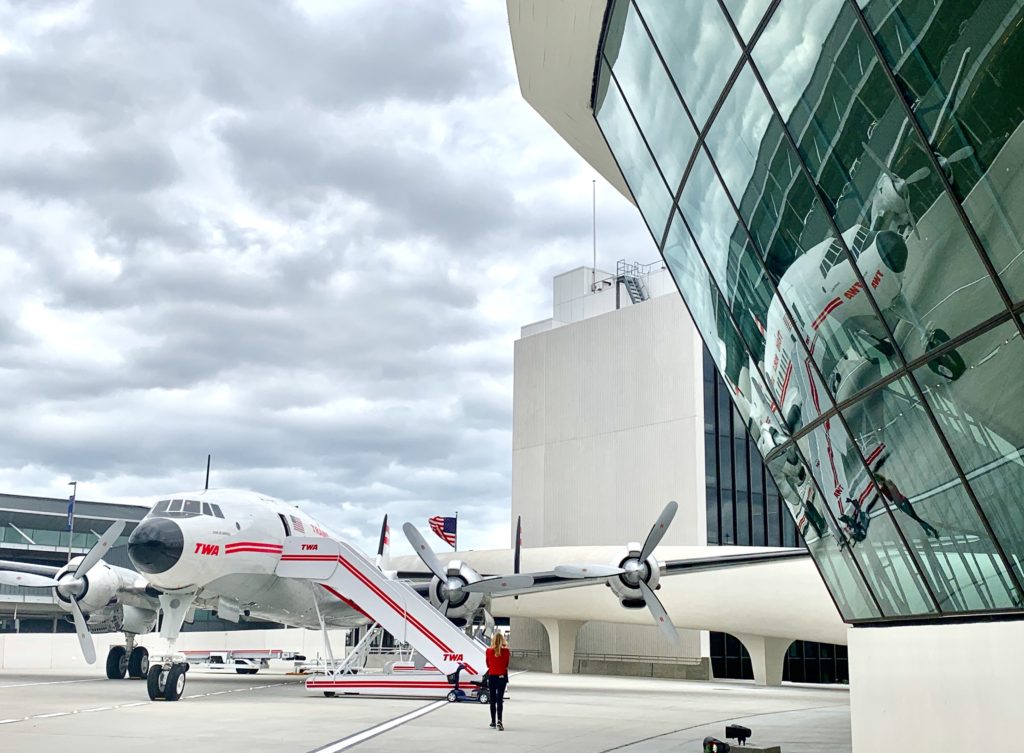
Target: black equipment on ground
[737, 732]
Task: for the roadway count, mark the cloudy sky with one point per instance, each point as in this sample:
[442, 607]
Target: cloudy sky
[302, 237]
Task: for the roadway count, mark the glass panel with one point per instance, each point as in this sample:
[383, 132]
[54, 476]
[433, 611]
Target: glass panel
[192, 506]
[911, 474]
[980, 415]
[175, 506]
[698, 46]
[747, 14]
[207, 510]
[828, 547]
[888, 565]
[852, 131]
[651, 96]
[958, 64]
[161, 506]
[216, 511]
[645, 182]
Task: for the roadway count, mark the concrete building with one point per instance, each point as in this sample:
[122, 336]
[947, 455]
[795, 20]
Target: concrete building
[836, 188]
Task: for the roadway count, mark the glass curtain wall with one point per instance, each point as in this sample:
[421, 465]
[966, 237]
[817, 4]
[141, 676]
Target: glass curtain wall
[836, 186]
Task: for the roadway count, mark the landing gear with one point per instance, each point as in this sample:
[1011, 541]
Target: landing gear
[167, 683]
[247, 670]
[950, 364]
[117, 662]
[138, 663]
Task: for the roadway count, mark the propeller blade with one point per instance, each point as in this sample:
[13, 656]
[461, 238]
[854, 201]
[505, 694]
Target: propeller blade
[488, 623]
[658, 530]
[498, 584]
[425, 553]
[587, 571]
[878, 161]
[100, 548]
[519, 545]
[659, 614]
[26, 580]
[960, 154]
[443, 609]
[84, 636]
[917, 175]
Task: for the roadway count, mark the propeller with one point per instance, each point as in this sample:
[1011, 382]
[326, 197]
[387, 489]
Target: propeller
[659, 529]
[587, 571]
[424, 552]
[100, 548]
[84, 636]
[498, 584]
[26, 580]
[657, 610]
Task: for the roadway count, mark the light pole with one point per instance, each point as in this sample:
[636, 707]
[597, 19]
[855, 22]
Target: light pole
[71, 515]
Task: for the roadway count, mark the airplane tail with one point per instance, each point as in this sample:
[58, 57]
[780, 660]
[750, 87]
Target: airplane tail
[384, 547]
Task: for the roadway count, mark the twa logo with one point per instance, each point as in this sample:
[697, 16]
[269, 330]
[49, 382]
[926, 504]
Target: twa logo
[453, 657]
[209, 550]
[310, 547]
[854, 289]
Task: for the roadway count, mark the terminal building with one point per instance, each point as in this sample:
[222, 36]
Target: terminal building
[618, 408]
[834, 186]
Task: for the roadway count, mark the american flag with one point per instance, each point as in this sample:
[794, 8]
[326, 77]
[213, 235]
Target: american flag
[297, 524]
[445, 528]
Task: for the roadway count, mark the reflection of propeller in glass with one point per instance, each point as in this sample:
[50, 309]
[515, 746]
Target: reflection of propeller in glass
[72, 586]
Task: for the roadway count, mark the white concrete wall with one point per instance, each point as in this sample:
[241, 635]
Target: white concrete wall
[937, 687]
[61, 650]
[607, 428]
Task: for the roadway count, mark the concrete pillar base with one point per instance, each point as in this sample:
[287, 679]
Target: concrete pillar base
[562, 638]
[767, 655]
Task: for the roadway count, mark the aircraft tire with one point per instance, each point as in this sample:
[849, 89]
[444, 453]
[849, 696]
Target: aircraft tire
[329, 694]
[153, 683]
[247, 670]
[138, 663]
[117, 663]
[175, 684]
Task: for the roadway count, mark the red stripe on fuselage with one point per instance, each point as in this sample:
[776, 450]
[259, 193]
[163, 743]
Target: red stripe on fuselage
[829, 308]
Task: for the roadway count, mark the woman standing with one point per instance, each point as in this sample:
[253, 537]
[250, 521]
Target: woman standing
[497, 676]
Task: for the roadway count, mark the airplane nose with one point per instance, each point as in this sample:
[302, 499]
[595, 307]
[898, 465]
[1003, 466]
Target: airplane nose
[155, 545]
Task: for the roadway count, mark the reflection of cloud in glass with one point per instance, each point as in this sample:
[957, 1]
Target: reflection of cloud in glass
[698, 46]
[707, 209]
[789, 50]
[746, 14]
[736, 135]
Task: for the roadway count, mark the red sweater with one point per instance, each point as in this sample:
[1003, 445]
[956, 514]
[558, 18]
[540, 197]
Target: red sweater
[498, 665]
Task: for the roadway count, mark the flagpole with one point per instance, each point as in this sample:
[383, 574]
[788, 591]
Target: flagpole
[456, 545]
[71, 515]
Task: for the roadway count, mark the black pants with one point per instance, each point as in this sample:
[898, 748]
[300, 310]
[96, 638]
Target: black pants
[496, 688]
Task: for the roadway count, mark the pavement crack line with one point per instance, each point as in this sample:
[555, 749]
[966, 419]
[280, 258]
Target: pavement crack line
[360, 737]
[717, 721]
[134, 704]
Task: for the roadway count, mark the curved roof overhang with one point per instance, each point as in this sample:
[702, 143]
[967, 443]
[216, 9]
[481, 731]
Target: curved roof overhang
[555, 44]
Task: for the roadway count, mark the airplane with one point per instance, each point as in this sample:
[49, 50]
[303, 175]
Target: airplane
[229, 550]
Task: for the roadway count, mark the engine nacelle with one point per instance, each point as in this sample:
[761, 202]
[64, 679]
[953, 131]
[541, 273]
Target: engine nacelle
[626, 586]
[95, 590]
[462, 605]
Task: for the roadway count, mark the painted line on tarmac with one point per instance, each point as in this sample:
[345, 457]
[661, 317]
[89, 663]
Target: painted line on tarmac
[361, 737]
[53, 682]
[135, 704]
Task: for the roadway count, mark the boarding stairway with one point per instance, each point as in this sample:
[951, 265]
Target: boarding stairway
[348, 575]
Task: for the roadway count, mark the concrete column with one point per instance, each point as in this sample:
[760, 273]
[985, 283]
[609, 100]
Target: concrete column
[562, 640]
[767, 655]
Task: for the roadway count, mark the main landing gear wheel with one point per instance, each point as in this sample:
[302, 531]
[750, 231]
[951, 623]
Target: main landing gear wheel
[167, 684]
[117, 663]
[950, 364]
[138, 663]
[247, 670]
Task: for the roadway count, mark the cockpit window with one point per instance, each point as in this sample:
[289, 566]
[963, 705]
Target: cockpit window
[184, 508]
[175, 505]
[207, 510]
[192, 506]
[216, 511]
[161, 506]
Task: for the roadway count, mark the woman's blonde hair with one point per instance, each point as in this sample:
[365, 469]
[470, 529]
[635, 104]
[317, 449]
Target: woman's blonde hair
[498, 642]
